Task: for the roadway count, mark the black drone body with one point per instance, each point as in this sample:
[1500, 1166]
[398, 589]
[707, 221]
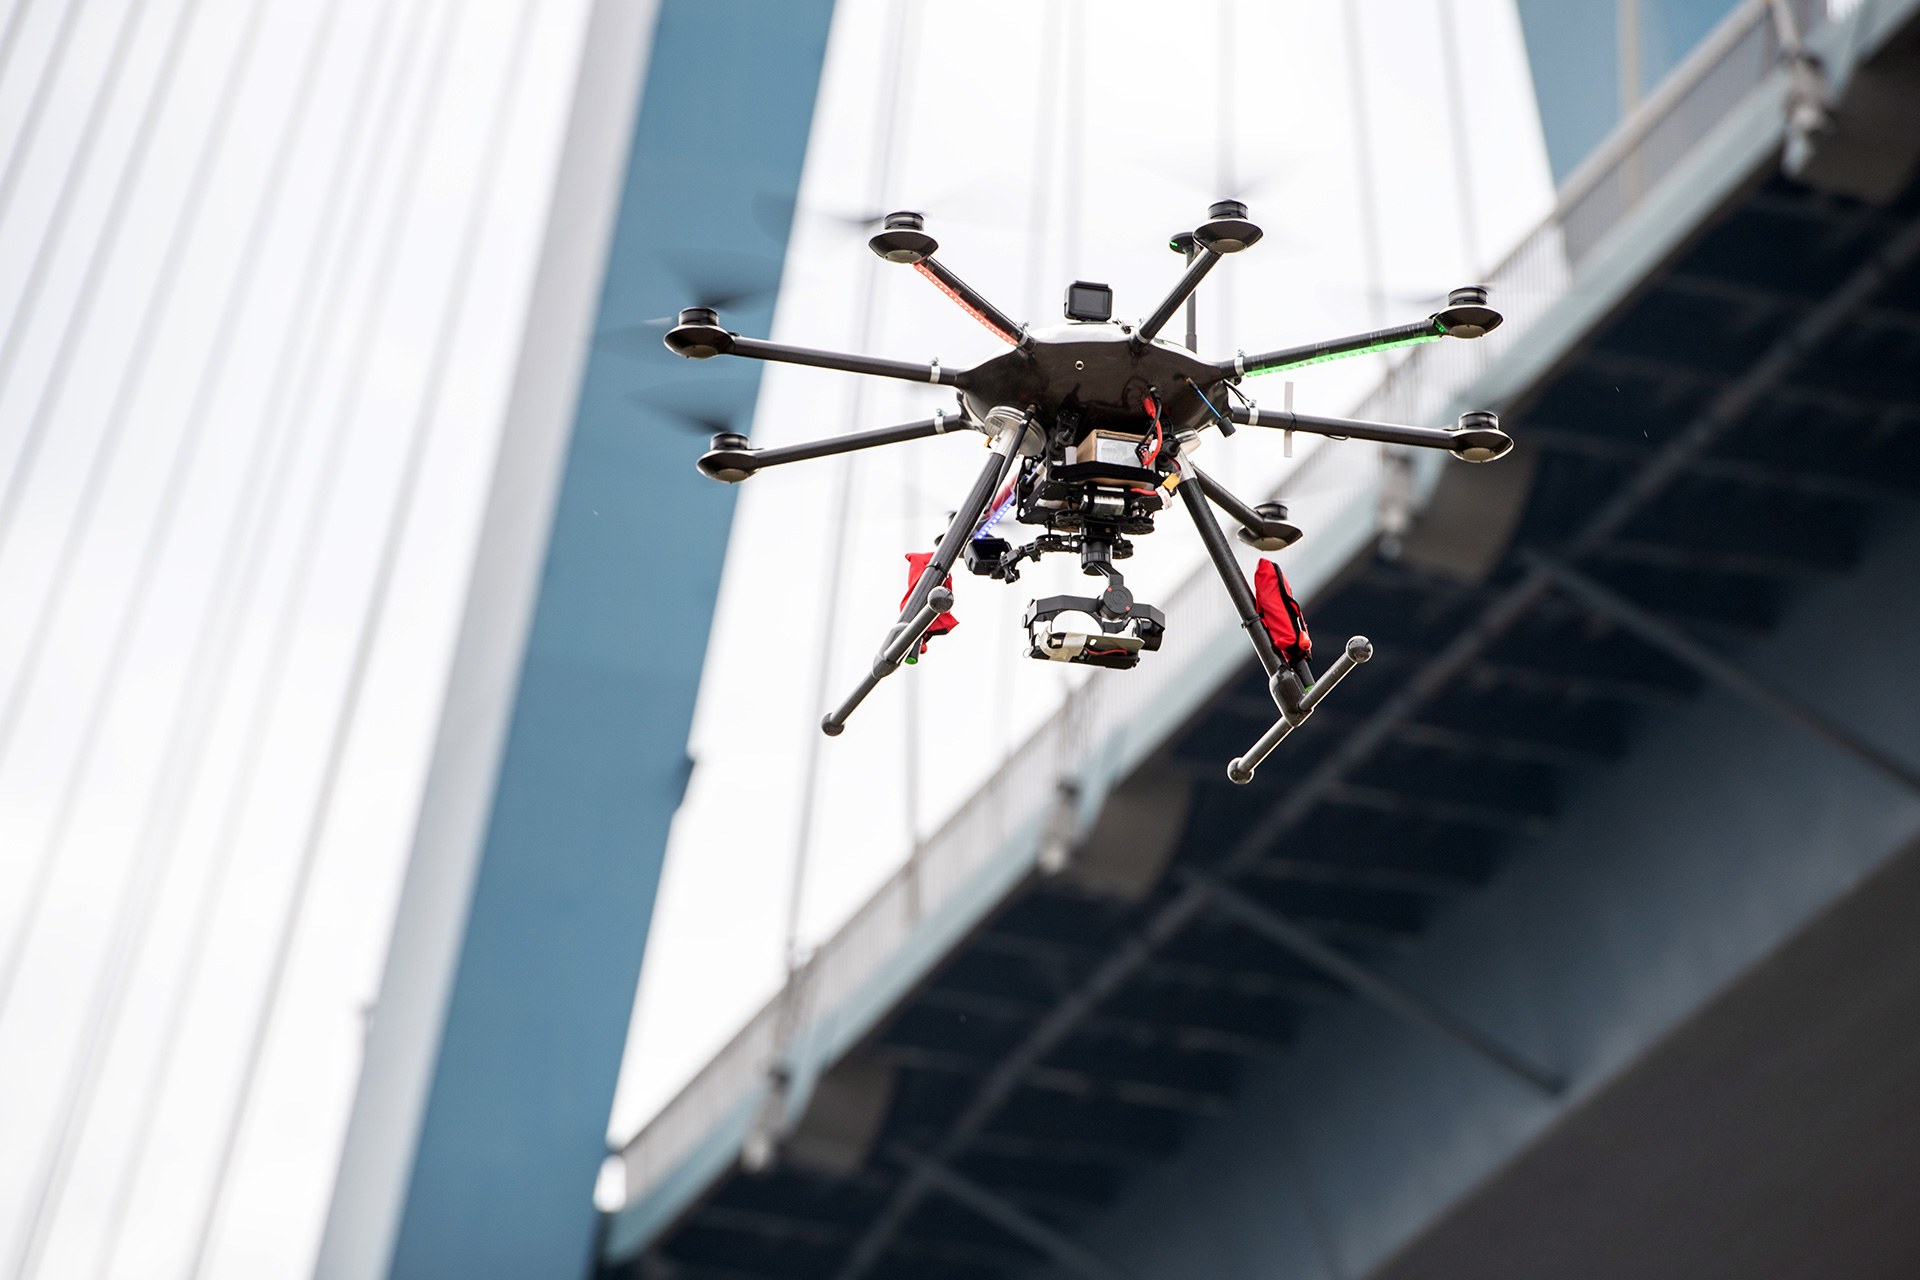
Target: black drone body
[1088, 424]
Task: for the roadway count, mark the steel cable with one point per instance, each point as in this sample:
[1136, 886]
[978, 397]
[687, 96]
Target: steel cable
[58, 223]
[1039, 201]
[324, 275]
[1363, 164]
[153, 857]
[466, 257]
[98, 468]
[891, 110]
[10, 503]
[300, 578]
[69, 343]
[16, 18]
[1462, 151]
[50, 71]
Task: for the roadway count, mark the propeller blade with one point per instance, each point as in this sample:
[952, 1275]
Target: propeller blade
[712, 278]
[952, 207]
[638, 342]
[776, 214]
[720, 278]
[1272, 180]
[712, 406]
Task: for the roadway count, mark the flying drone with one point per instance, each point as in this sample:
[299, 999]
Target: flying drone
[1089, 426]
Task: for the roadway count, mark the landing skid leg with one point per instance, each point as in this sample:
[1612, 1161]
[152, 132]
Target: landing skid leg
[1193, 495]
[1295, 692]
[930, 598]
[1358, 650]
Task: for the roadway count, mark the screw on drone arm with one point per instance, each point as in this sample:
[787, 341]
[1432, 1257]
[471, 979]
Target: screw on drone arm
[698, 336]
[730, 458]
[1466, 315]
[1476, 438]
[930, 597]
[904, 240]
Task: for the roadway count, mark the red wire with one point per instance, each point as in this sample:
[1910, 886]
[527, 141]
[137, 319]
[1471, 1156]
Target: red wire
[1159, 433]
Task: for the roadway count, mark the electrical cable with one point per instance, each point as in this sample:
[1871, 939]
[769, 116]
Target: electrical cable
[1149, 456]
[1226, 427]
[323, 274]
[131, 923]
[431, 105]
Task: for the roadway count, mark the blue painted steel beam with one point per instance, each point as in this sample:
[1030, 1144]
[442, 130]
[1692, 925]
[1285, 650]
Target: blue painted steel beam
[536, 985]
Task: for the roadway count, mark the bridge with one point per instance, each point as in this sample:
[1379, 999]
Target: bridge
[1574, 936]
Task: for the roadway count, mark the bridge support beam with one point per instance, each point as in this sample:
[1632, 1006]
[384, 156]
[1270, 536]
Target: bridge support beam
[1069, 1253]
[1665, 636]
[1367, 984]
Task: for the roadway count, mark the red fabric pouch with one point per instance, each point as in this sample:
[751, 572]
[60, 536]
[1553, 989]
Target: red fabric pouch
[917, 562]
[1280, 612]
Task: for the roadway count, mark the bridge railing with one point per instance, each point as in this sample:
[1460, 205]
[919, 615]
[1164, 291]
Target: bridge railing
[1426, 385]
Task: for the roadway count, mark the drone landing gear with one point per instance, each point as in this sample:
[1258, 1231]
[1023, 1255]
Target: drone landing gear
[1296, 705]
[1193, 496]
[1292, 685]
[930, 598]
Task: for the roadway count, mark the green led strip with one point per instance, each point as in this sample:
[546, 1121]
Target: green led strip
[1415, 341]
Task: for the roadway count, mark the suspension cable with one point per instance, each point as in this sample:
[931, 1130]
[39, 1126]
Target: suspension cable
[465, 256]
[893, 103]
[324, 273]
[1048, 86]
[69, 346]
[1363, 163]
[51, 69]
[16, 18]
[138, 906]
[1462, 152]
[73, 333]
[99, 467]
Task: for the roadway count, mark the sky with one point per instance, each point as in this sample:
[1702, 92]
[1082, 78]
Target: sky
[239, 496]
[1107, 128]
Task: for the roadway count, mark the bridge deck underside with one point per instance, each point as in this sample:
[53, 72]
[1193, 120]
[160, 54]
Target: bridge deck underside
[1388, 809]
